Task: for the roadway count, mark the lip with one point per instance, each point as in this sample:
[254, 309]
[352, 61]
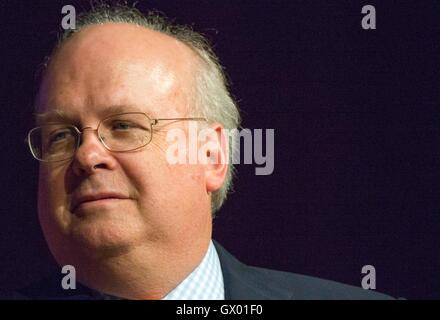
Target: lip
[96, 197]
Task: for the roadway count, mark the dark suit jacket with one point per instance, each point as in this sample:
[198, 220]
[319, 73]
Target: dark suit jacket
[241, 282]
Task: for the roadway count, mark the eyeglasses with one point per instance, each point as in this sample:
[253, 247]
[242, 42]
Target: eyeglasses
[122, 132]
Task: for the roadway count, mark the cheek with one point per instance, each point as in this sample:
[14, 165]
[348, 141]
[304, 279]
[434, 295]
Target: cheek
[51, 214]
[51, 186]
[52, 200]
[180, 182]
[164, 186]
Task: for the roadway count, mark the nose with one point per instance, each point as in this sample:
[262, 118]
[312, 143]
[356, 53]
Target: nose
[91, 154]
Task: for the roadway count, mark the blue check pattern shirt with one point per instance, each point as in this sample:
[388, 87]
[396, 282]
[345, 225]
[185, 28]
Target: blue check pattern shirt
[204, 283]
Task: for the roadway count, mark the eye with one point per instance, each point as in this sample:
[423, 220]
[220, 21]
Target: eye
[121, 125]
[59, 135]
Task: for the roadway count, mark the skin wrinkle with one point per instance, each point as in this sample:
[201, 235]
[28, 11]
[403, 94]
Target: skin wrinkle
[141, 247]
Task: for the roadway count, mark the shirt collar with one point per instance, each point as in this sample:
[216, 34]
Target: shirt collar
[204, 283]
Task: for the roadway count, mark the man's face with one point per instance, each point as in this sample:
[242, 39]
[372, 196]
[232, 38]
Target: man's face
[149, 202]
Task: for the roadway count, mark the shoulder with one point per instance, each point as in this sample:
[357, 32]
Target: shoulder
[247, 282]
[311, 288]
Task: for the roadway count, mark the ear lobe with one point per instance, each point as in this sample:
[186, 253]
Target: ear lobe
[215, 157]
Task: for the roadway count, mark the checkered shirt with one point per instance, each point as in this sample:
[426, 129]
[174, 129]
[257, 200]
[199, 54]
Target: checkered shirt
[204, 283]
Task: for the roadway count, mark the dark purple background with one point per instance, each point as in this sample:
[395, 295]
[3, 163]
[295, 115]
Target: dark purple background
[356, 119]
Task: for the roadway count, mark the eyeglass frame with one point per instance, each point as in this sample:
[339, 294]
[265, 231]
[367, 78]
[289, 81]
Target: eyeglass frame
[152, 122]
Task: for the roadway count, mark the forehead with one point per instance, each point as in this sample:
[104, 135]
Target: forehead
[65, 114]
[114, 65]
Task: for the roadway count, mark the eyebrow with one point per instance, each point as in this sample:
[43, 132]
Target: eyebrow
[58, 115]
[51, 116]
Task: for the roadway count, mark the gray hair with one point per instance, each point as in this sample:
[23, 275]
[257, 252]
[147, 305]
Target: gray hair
[212, 97]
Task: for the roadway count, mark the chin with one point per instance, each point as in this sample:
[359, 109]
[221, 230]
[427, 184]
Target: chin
[83, 241]
[105, 235]
[110, 232]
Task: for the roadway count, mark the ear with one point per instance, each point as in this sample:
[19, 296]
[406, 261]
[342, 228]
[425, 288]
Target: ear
[214, 156]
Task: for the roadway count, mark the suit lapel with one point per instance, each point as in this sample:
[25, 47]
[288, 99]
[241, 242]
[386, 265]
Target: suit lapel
[239, 281]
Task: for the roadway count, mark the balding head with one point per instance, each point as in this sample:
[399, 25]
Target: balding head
[104, 56]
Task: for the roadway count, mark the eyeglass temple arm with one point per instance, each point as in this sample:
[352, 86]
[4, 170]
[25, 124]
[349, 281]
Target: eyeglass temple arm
[155, 121]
